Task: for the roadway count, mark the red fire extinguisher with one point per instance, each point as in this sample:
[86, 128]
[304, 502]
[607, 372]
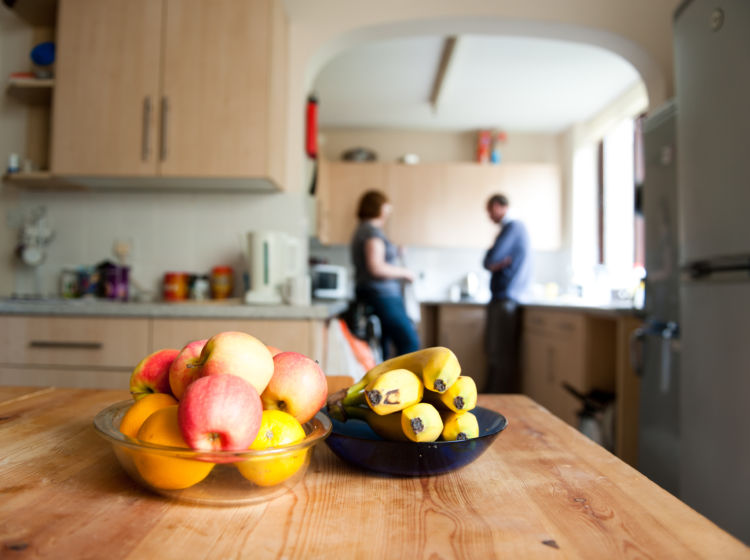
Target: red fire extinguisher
[311, 141]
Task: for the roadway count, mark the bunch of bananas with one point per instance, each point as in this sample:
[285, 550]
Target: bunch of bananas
[420, 396]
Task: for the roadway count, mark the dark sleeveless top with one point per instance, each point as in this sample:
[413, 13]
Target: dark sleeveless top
[364, 281]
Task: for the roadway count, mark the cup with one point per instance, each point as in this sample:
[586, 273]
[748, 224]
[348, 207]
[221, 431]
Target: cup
[297, 290]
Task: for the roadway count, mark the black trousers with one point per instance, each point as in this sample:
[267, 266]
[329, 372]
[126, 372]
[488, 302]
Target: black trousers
[502, 340]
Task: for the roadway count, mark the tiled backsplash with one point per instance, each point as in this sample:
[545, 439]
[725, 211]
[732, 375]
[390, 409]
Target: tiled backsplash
[192, 232]
[439, 269]
[170, 231]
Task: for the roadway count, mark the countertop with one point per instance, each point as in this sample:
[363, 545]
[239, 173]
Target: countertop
[222, 309]
[562, 304]
[542, 490]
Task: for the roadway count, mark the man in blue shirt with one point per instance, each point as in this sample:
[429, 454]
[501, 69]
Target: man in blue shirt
[509, 261]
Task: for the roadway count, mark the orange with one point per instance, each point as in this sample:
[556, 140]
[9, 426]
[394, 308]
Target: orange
[143, 408]
[163, 471]
[277, 429]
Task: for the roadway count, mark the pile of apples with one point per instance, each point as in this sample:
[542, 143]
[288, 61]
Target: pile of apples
[224, 383]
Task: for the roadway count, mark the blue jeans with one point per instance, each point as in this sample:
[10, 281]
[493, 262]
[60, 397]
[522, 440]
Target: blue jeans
[397, 327]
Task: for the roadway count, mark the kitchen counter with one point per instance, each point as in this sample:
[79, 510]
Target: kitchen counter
[211, 309]
[542, 490]
[563, 304]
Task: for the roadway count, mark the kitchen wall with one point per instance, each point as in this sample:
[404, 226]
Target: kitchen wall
[168, 231]
[195, 231]
[438, 269]
[436, 146]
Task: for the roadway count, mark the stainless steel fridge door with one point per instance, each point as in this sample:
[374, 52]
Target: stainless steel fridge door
[659, 415]
[659, 195]
[715, 400]
[712, 83]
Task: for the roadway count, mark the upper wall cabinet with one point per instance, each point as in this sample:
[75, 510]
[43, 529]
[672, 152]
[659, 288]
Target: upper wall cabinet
[172, 90]
[441, 204]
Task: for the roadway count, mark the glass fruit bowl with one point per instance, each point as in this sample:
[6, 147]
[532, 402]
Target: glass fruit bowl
[356, 443]
[211, 477]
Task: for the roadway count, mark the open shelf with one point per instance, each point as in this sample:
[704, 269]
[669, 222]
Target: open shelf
[39, 180]
[31, 90]
[31, 83]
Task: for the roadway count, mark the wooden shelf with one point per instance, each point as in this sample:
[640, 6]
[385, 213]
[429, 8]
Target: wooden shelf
[31, 90]
[26, 83]
[39, 180]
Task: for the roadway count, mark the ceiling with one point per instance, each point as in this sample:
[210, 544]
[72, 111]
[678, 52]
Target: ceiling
[470, 82]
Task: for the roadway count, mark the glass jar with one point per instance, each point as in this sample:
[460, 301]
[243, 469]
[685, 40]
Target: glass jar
[221, 282]
[175, 286]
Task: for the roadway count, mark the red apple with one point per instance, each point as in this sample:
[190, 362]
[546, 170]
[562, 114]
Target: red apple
[298, 386]
[240, 354]
[185, 369]
[220, 412]
[151, 375]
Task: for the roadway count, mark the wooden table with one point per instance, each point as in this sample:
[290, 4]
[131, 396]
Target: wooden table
[542, 490]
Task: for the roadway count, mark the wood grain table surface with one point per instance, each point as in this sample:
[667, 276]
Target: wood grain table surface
[542, 490]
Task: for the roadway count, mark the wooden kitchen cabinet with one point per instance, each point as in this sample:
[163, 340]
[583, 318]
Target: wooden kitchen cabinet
[441, 204]
[566, 347]
[339, 189]
[459, 327]
[71, 351]
[299, 335]
[188, 89]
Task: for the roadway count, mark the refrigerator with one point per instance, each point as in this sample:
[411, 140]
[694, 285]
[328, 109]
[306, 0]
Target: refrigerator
[659, 338]
[712, 88]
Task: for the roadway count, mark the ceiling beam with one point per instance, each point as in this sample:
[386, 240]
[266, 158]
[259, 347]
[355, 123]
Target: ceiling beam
[446, 58]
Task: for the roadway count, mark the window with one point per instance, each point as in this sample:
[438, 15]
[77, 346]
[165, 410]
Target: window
[604, 230]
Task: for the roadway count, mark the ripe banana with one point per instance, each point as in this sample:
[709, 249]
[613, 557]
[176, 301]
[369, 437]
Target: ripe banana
[421, 422]
[460, 397]
[437, 366]
[394, 390]
[459, 426]
[387, 426]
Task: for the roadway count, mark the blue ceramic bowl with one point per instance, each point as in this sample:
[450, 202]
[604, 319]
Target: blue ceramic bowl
[356, 443]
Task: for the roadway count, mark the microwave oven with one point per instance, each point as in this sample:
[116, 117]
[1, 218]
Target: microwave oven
[329, 281]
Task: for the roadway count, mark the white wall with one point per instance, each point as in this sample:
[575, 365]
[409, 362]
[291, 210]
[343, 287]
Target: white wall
[195, 231]
[438, 269]
[436, 146]
[169, 231]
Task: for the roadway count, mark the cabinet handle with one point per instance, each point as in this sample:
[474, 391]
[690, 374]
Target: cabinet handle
[163, 126]
[145, 139]
[66, 344]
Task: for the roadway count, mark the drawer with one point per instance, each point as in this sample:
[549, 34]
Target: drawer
[73, 341]
[304, 336]
[557, 322]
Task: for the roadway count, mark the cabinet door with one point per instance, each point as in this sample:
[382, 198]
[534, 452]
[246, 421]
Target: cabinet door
[420, 213]
[461, 328]
[223, 96]
[106, 91]
[341, 184]
[537, 367]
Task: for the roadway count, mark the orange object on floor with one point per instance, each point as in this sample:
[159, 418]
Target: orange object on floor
[361, 349]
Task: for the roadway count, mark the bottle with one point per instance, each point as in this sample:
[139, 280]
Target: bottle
[14, 163]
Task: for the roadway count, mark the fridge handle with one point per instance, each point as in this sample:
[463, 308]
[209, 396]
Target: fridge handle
[636, 349]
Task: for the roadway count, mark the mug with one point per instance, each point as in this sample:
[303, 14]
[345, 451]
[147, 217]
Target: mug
[296, 290]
